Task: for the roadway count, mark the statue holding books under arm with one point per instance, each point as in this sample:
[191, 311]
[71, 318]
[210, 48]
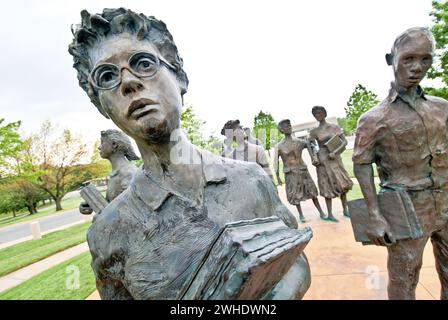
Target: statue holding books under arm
[406, 136]
[191, 225]
[332, 178]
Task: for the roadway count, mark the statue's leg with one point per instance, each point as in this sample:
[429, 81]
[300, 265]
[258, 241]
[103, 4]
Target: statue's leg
[344, 205]
[440, 246]
[318, 207]
[299, 208]
[329, 209]
[403, 264]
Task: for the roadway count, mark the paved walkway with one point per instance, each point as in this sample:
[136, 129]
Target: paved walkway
[343, 269]
[15, 278]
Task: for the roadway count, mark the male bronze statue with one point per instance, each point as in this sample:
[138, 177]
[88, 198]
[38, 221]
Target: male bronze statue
[299, 184]
[332, 178]
[244, 151]
[117, 148]
[406, 136]
[152, 241]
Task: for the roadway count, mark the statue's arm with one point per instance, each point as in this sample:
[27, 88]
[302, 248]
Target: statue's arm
[311, 145]
[276, 165]
[107, 269]
[365, 176]
[378, 230]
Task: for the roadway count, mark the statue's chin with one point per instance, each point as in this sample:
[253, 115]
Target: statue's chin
[156, 131]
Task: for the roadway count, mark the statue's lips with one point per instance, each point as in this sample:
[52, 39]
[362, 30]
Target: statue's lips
[141, 107]
[414, 79]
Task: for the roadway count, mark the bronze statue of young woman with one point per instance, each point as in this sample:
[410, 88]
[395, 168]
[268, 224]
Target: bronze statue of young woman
[299, 184]
[332, 178]
[117, 148]
[244, 150]
[149, 242]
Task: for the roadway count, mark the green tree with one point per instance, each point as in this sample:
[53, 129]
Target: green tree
[193, 128]
[359, 102]
[53, 161]
[265, 129]
[17, 193]
[10, 145]
[439, 70]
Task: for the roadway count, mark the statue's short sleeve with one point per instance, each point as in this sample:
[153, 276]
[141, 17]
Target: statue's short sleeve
[366, 138]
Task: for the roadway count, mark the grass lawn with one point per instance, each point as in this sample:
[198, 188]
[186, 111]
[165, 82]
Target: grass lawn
[356, 193]
[25, 253]
[348, 163]
[67, 204]
[70, 280]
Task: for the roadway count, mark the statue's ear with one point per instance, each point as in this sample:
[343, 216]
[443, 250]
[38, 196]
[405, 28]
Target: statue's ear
[389, 59]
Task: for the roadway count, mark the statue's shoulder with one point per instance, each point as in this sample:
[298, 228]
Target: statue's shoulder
[375, 114]
[109, 219]
[438, 101]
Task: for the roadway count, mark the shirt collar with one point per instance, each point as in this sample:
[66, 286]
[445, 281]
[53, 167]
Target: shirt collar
[154, 195]
[394, 94]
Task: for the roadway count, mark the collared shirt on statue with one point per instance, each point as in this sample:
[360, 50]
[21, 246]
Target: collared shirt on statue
[170, 232]
[408, 140]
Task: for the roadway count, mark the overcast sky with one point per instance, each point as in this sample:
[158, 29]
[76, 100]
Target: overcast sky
[240, 56]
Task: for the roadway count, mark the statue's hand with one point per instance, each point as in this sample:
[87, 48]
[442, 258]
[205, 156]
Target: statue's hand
[332, 156]
[315, 162]
[379, 231]
[84, 208]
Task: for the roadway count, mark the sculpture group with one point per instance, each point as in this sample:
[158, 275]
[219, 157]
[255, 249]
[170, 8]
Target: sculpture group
[188, 224]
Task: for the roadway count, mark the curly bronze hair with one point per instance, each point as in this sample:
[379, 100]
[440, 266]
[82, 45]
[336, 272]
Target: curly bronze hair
[96, 27]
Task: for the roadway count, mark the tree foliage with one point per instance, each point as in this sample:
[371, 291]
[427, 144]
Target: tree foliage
[10, 145]
[359, 102]
[439, 29]
[265, 129]
[53, 160]
[193, 128]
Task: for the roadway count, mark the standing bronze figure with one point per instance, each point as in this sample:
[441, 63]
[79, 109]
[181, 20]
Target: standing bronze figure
[406, 135]
[244, 151]
[117, 148]
[299, 184]
[332, 178]
[184, 205]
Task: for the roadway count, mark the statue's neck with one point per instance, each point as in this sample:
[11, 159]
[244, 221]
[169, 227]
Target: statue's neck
[118, 160]
[168, 157]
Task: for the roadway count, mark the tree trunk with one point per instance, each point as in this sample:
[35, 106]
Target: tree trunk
[58, 204]
[31, 207]
[14, 213]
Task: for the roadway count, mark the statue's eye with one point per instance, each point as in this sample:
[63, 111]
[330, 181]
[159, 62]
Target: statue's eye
[409, 59]
[144, 63]
[427, 61]
[106, 76]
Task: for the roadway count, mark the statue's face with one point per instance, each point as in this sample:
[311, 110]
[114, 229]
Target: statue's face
[285, 128]
[412, 60]
[144, 108]
[106, 148]
[319, 115]
[239, 134]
